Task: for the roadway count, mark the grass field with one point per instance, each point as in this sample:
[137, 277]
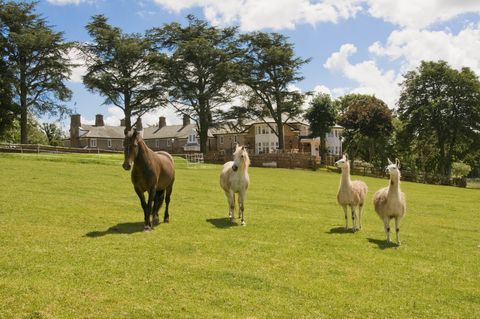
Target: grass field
[72, 246]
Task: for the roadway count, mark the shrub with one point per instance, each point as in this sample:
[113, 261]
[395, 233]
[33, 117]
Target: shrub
[460, 169]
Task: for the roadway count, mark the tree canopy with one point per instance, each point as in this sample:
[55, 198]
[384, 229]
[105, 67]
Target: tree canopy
[124, 68]
[200, 71]
[37, 60]
[440, 108]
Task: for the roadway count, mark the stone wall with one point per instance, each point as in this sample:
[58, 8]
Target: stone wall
[281, 160]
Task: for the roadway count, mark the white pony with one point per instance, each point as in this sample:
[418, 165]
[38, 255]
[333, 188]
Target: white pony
[234, 179]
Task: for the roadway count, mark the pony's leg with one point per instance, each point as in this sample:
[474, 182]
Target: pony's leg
[386, 223]
[157, 204]
[241, 199]
[231, 205]
[166, 216]
[141, 196]
[148, 211]
[397, 229]
[354, 213]
[345, 210]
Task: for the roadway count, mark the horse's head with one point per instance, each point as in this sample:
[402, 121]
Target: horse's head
[240, 158]
[130, 148]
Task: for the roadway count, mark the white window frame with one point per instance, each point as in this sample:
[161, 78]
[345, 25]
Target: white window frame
[221, 140]
[157, 143]
[93, 142]
[109, 143]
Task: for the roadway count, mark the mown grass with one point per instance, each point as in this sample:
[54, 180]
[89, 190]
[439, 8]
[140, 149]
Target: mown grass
[72, 246]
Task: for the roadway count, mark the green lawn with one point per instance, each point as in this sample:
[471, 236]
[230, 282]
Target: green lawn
[72, 246]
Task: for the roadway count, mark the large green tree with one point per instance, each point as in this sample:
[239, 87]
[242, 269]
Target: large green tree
[269, 68]
[368, 127]
[37, 59]
[440, 106]
[53, 133]
[321, 115]
[123, 68]
[200, 70]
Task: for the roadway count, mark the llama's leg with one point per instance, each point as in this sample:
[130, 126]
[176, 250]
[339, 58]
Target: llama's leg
[354, 213]
[386, 223]
[241, 199]
[156, 206]
[166, 215]
[397, 229]
[345, 210]
[360, 211]
[231, 205]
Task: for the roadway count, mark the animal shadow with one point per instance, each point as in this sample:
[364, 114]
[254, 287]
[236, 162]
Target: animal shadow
[121, 228]
[382, 244]
[223, 222]
[340, 230]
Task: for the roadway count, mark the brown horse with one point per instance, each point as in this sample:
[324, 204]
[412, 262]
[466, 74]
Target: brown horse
[153, 173]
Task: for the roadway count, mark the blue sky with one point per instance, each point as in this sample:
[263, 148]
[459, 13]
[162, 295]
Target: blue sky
[359, 46]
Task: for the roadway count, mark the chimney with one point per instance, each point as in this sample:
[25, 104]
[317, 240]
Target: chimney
[122, 122]
[162, 122]
[139, 126]
[186, 119]
[99, 120]
[75, 124]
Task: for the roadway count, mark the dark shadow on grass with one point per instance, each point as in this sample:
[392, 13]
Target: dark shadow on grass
[382, 244]
[340, 230]
[121, 228]
[223, 222]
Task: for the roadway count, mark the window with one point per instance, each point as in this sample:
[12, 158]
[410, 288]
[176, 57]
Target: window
[157, 143]
[109, 143]
[235, 139]
[221, 140]
[169, 142]
[93, 142]
[192, 138]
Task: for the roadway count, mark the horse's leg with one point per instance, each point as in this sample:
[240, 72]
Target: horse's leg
[241, 199]
[148, 211]
[166, 216]
[231, 205]
[157, 204]
[141, 196]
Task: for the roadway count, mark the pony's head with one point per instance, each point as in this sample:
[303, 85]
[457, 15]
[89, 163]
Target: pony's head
[393, 168]
[130, 148]
[240, 157]
[342, 162]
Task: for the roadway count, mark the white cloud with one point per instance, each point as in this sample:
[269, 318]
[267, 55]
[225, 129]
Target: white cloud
[275, 14]
[369, 77]
[80, 70]
[115, 114]
[420, 14]
[412, 46]
[322, 89]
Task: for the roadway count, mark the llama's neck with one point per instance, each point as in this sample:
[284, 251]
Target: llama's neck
[345, 181]
[394, 186]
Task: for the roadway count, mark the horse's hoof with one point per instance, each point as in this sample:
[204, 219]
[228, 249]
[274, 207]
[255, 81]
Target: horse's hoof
[147, 228]
[156, 221]
[232, 220]
[166, 221]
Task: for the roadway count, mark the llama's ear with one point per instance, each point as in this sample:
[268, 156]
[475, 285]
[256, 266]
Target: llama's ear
[397, 162]
[389, 161]
[345, 157]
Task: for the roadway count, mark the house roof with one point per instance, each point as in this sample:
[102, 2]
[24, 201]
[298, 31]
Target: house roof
[102, 131]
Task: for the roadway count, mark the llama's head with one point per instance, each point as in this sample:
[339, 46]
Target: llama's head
[393, 168]
[343, 162]
[240, 158]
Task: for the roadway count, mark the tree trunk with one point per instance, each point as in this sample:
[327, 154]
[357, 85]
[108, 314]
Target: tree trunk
[281, 138]
[323, 149]
[203, 132]
[23, 109]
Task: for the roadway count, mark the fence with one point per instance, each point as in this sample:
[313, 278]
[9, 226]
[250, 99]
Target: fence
[37, 148]
[281, 160]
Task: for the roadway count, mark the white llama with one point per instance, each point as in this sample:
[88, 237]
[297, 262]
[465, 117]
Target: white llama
[351, 193]
[390, 202]
[234, 179]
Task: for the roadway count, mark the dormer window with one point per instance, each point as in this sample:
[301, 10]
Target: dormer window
[192, 138]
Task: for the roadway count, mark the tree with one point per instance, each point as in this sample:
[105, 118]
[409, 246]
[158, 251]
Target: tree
[368, 126]
[269, 68]
[53, 133]
[7, 107]
[37, 58]
[442, 105]
[123, 68]
[200, 70]
[321, 116]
